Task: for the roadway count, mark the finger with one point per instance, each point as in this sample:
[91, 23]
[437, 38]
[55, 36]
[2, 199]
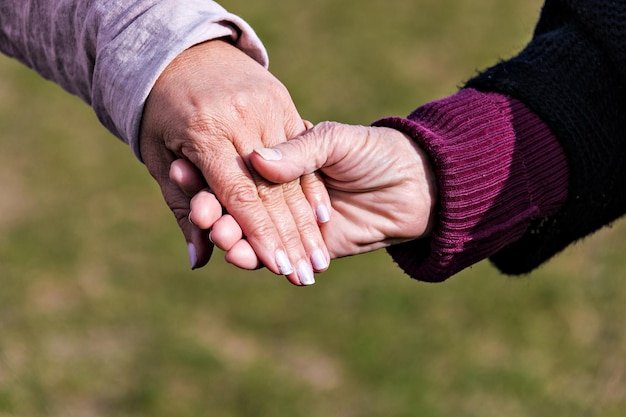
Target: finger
[205, 210]
[320, 147]
[236, 189]
[284, 234]
[226, 233]
[199, 247]
[315, 191]
[309, 233]
[309, 204]
[187, 176]
[243, 256]
[317, 201]
[295, 223]
[316, 255]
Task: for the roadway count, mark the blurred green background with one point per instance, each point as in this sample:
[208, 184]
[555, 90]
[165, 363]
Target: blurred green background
[99, 315]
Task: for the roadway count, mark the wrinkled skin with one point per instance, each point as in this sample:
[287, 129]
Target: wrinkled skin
[380, 184]
[211, 107]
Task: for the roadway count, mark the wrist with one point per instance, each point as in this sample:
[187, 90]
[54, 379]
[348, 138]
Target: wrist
[498, 167]
[424, 191]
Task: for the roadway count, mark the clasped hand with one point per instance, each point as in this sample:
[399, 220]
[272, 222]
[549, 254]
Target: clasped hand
[214, 135]
[212, 106]
[379, 187]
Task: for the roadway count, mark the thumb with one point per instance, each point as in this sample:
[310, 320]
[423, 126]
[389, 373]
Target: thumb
[317, 148]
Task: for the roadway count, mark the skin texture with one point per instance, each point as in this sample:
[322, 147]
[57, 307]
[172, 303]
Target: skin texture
[212, 106]
[380, 184]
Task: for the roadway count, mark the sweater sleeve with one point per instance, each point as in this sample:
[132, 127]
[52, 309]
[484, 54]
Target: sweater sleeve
[110, 53]
[572, 74]
[498, 168]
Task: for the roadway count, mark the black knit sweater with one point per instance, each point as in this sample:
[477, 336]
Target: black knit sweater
[573, 76]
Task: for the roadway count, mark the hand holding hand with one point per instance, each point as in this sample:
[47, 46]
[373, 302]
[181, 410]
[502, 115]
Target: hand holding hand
[380, 183]
[212, 106]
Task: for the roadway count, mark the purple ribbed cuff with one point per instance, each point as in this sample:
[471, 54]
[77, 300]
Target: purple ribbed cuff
[498, 167]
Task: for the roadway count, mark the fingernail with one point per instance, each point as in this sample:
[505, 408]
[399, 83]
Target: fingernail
[269, 154]
[193, 255]
[319, 260]
[322, 213]
[305, 273]
[284, 266]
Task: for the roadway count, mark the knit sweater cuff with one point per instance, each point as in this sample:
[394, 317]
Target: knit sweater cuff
[498, 167]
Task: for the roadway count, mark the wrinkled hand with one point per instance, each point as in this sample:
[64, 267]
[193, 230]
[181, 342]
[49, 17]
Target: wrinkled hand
[212, 106]
[380, 183]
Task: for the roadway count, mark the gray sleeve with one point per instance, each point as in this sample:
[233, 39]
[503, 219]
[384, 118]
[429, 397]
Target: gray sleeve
[110, 52]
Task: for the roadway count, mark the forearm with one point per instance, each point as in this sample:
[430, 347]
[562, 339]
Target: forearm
[572, 75]
[498, 168]
[110, 53]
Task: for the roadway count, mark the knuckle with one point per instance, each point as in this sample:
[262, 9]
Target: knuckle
[261, 231]
[203, 125]
[291, 189]
[292, 242]
[311, 181]
[269, 194]
[240, 102]
[325, 127]
[240, 194]
[310, 231]
[240, 105]
[199, 136]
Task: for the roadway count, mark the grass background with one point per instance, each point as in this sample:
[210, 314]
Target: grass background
[99, 315]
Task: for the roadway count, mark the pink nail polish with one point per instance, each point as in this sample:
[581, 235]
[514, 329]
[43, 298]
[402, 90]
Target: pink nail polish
[318, 260]
[323, 216]
[284, 266]
[305, 273]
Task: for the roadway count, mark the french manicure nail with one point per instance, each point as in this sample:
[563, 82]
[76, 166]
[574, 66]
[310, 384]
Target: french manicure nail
[319, 260]
[269, 154]
[284, 266]
[323, 216]
[193, 255]
[305, 273]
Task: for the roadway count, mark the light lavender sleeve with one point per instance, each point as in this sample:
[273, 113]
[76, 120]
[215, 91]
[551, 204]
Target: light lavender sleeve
[110, 52]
